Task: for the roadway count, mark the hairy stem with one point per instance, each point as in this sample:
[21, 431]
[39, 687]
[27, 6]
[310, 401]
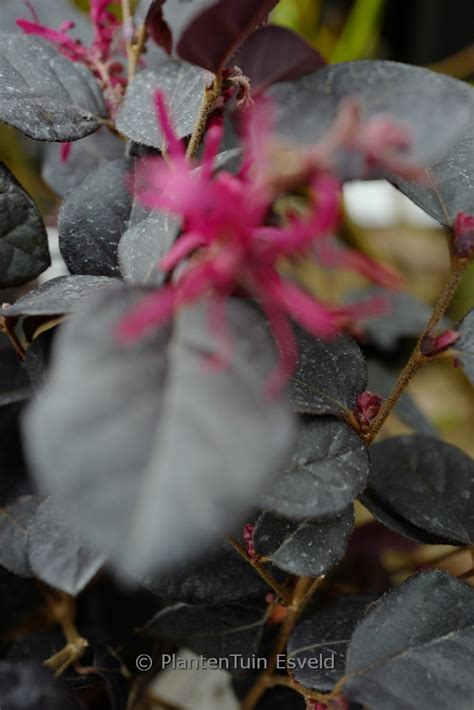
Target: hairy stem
[281, 591]
[417, 358]
[9, 330]
[302, 594]
[127, 24]
[211, 93]
[134, 39]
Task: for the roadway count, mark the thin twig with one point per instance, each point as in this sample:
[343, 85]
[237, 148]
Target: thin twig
[302, 594]
[417, 358]
[127, 24]
[281, 591]
[62, 608]
[134, 39]
[137, 47]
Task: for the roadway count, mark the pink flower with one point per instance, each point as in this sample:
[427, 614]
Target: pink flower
[98, 57]
[228, 247]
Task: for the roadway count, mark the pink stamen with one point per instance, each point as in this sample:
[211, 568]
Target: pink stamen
[236, 252]
[174, 146]
[65, 151]
[181, 249]
[31, 8]
[211, 149]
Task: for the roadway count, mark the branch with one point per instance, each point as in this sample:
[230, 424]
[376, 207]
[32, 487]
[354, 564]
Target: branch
[417, 358]
[62, 609]
[134, 40]
[281, 591]
[211, 93]
[302, 594]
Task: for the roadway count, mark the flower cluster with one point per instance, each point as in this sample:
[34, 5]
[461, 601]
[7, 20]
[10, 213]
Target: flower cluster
[231, 240]
[100, 57]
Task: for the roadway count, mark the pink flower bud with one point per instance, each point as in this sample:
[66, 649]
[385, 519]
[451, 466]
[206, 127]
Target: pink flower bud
[248, 538]
[432, 345]
[367, 407]
[464, 235]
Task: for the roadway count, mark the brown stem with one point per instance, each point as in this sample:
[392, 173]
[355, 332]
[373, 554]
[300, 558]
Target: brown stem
[417, 358]
[302, 593]
[62, 608]
[7, 327]
[211, 93]
[128, 23]
[281, 591]
[135, 43]
[137, 47]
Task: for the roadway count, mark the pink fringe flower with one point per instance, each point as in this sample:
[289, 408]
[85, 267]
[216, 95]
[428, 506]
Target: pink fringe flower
[98, 57]
[227, 247]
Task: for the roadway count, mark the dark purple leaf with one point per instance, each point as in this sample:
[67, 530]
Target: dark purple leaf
[427, 482]
[84, 156]
[38, 356]
[24, 252]
[193, 26]
[183, 85]
[14, 520]
[414, 647]
[93, 218]
[273, 54]
[150, 14]
[15, 384]
[316, 651]
[308, 548]
[63, 294]
[143, 245]
[43, 94]
[330, 468]
[329, 377]
[449, 185]
[221, 577]
[133, 438]
[14, 482]
[224, 632]
[56, 552]
[307, 107]
[398, 524]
